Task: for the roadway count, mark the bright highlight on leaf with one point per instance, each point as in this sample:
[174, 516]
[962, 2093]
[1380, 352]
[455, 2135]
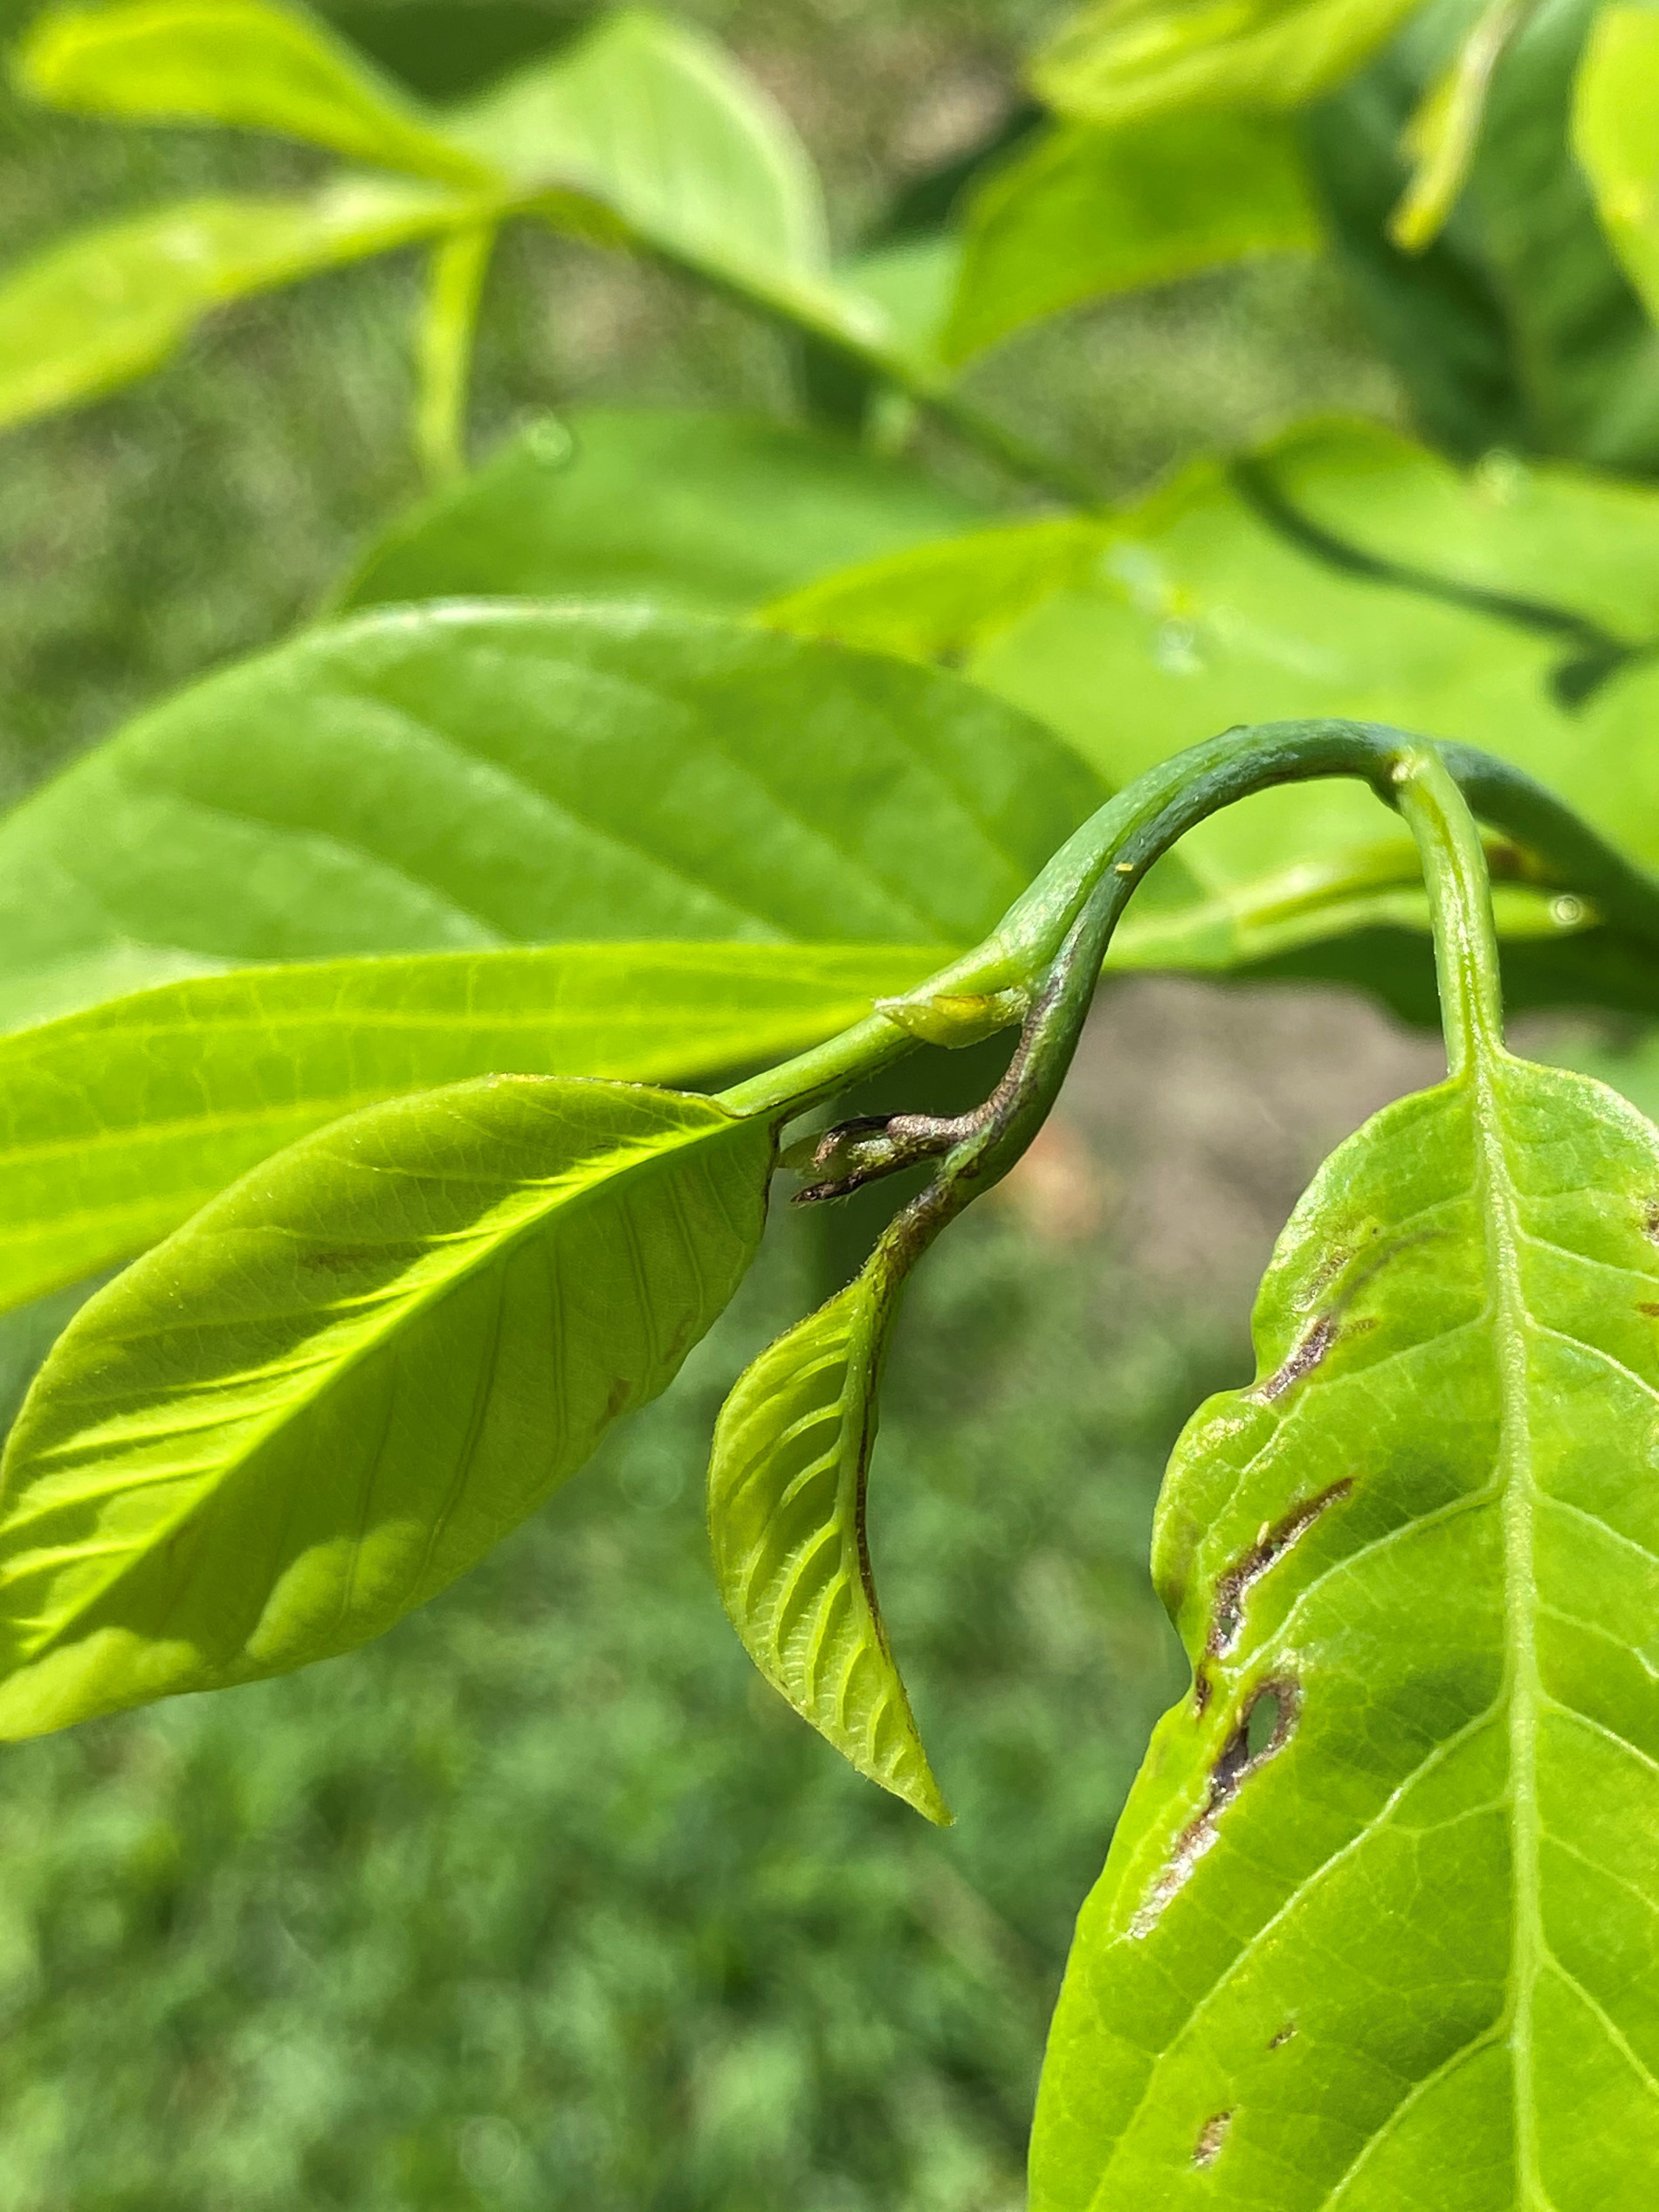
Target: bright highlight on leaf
[117, 1123]
[347, 1377]
[1615, 137]
[786, 1511]
[1117, 60]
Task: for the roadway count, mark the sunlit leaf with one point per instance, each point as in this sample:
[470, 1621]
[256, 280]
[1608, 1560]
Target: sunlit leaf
[241, 62]
[698, 510]
[1377, 1928]
[1088, 212]
[941, 599]
[342, 1381]
[468, 776]
[443, 349]
[111, 303]
[651, 121]
[1442, 135]
[116, 1124]
[1120, 59]
[785, 1512]
[1615, 136]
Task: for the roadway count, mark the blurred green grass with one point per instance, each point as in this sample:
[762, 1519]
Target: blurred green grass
[545, 1900]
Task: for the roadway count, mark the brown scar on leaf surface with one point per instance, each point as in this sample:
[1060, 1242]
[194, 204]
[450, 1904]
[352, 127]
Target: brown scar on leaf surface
[1645, 1305]
[1211, 2136]
[1284, 2036]
[1227, 1776]
[1228, 1618]
[1650, 1222]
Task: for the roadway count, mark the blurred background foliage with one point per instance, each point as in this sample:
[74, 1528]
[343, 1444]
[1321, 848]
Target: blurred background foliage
[544, 1900]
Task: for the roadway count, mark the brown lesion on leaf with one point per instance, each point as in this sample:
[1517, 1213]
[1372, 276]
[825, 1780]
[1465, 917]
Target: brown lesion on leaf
[1278, 2041]
[1203, 1689]
[1650, 1222]
[1211, 2136]
[1304, 1357]
[1228, 1617]
[1647, 1306]
[1277, 1702]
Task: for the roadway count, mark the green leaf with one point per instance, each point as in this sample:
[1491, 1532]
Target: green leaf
[1088, 212]
[941, 599]
[1121, 60]
[111, 303]
[469, 777]
[240, 62]
[1519, 327]
[116, 1124]
[1615, 137]
[1547, 533]
[336, 1388]
[1202, 615]
[1444, 131]
[1378, 1925]
[786, 1514]
[652, 124]
[696, 510]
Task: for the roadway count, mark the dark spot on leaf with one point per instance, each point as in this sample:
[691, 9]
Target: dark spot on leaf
[344, 1259]
[1283, 2036]
[1303, 1361]
[1211, 2136]
[1265, 1728]
[1202, 1688]
[1230, 1590]
[618, 1398]
[1650, 1224]
[1645, 1305]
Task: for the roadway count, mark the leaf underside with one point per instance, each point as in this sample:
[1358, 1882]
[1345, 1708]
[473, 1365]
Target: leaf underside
[1380, 1927]
[343, 1381]
[785, 1507]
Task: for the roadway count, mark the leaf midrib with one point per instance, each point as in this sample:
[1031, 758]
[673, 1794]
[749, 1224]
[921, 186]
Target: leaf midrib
[1522, 1684]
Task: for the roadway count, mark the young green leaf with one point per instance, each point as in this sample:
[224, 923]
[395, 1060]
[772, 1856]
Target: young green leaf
[443, 349]
[241, 62]
[1120, 60]
[944, 599]
[714, 511]
[652, 124]
[1392, 1861]
[1615, 114]
[1444, 132]
[82, 317]
[786, 1516]
[116, 1124]
[1517, 328]
[334, 1389]
[1087, 212]
[476, 775]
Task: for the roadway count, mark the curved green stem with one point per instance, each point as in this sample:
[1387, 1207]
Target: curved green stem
[991, 987]
[1460, 903]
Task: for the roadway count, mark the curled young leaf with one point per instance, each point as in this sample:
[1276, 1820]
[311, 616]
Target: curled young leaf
[786, 1514]
[1392, 1860]
[337, 1386]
